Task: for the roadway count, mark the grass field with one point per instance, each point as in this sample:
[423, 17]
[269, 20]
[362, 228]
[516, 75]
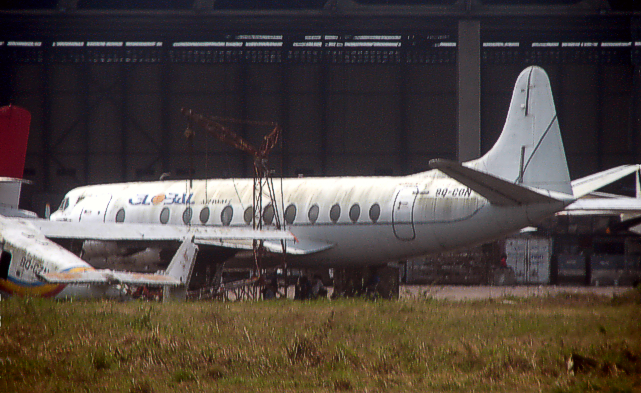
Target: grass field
[348, 345]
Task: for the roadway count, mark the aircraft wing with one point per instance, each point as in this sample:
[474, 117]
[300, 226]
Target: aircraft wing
[108, 277]
[152, 232]
[21, 234]
[227, 237]
[495, 190]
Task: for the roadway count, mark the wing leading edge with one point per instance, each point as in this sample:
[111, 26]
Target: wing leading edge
[152, 232]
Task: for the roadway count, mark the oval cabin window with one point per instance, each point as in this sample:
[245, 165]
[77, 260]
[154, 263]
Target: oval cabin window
[313, 214]
[204, 215]
[268, 214]
[120, 216]
[226, 215]
[248, 216]
[164, 215]
[290, 214]
[354, 212]
[335, 213]
[374, 212]
[187, 215]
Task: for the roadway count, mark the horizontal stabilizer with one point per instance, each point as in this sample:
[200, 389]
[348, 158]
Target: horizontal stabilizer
[14, 180]
[585, 185]
[603, 206]
[108, 277]
[495, 190]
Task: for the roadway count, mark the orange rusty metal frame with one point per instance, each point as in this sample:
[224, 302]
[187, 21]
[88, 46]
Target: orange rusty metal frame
[262, 175]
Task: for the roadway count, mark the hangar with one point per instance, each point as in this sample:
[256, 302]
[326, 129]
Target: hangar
[360, 87]
[368, 87]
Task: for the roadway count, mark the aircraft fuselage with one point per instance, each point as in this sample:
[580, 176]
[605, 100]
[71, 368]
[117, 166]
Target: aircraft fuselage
[368, 220]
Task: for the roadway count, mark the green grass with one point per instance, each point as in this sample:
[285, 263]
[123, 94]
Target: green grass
[340, 346]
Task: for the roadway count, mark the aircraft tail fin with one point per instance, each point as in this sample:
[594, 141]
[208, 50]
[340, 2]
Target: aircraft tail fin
[14, 134]
[529, 151]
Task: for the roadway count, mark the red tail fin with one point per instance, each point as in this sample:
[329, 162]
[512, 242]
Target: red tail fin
[14, 134]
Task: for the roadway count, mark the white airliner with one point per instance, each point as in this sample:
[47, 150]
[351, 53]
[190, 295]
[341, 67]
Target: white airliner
[341, 221]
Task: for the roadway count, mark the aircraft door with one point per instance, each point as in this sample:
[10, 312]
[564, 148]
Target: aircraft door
[94, 208]
[403, 213]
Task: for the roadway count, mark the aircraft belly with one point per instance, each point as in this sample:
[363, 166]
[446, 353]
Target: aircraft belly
[353, 244]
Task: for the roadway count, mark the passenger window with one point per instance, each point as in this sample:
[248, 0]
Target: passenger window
[335, 213]
[374, 212]
[187, 215]
[164, 215]
[226, 215]
[120, 216]
[204, 215]
[290, 214]
[354, 212]
[249, 215]
[313, 214]
[268, 214]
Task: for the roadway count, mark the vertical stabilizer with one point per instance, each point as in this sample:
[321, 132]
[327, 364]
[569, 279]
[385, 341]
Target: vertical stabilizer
[530, 150]
[181, 268]
[14, 134]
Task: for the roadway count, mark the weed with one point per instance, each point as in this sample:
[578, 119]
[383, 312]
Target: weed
[143, 386]
[102, 359]
[303, 348]
[342, 385]
[216, 372]
[142, 320]
[183, 375]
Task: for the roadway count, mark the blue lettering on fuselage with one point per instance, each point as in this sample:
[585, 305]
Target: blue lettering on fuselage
[171, 198]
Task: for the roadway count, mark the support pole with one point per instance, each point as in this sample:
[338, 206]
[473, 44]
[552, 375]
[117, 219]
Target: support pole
[469, 90]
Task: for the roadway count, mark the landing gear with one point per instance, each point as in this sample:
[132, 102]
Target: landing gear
[371, 282]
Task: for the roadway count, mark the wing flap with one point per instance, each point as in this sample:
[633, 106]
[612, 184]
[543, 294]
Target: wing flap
[236, 244]
[293, 247]
[301, 247]
[495, 190]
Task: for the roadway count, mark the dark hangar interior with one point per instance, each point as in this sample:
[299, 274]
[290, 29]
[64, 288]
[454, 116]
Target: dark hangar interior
[360, 87]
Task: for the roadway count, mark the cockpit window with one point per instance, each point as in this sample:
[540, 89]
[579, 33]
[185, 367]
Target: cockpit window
[64, 204]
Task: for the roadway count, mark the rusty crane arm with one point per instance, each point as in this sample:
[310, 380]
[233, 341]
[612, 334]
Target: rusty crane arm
[214, 125]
